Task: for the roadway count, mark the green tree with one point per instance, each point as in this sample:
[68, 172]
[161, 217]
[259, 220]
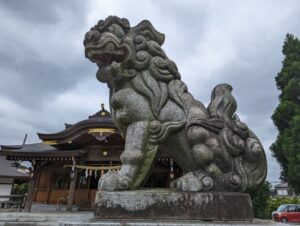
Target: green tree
[286, 148]
[260, 201]
[20, 189]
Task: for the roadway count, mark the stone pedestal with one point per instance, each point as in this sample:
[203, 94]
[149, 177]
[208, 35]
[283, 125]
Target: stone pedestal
[175, 205]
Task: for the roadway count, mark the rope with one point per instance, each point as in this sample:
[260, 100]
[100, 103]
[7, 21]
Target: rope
[94, 167]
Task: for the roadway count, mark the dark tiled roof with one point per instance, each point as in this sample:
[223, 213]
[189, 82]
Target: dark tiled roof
[7, 171]
[38, 150]
[282, 185]
[38, 147]
[101, 114]
[79, 126]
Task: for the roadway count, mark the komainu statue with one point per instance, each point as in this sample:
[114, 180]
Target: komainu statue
[154, 111]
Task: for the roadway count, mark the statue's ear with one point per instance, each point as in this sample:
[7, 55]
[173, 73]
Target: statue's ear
[146, 29]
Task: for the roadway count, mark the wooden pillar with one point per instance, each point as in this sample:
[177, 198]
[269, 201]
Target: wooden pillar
[49, 186]
[73, 179]
[31, 191]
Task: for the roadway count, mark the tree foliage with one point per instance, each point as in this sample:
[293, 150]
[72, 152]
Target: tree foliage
[264, 204]
[260, 201]
[20, 189]
[286, 148]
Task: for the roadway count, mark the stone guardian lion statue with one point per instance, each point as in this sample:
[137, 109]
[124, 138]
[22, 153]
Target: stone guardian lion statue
[154, 111]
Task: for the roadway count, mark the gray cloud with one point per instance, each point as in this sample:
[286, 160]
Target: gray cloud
[39, 50]
[46, 81]
[43, 12]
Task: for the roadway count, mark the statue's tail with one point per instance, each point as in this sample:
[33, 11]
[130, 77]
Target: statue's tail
[242, 144]
[223, 104]
[255, 163]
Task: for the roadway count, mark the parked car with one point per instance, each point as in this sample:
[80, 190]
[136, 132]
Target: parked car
[287, 213]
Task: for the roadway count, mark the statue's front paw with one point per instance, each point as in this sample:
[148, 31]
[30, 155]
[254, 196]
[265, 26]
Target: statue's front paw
[112, 181]
[192, 182]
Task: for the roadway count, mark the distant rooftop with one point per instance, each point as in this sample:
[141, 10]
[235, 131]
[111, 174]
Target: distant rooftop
[7, 171]
[98, 129]
[102, 113]
[282, 185]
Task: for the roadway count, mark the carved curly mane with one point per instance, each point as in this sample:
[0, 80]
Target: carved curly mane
[157, 77]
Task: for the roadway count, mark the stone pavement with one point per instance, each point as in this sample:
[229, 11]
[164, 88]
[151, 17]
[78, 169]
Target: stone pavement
[42, 215]
[87, 219]
[47, 215]
[170, 223]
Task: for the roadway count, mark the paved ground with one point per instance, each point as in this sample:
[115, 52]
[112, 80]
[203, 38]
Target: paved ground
[47, 215]
[170, 223]
[43, 215]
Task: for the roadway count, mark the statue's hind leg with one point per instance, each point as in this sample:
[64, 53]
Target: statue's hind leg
[193, 181]
[212, 159]
[199, 180]
[209, 179]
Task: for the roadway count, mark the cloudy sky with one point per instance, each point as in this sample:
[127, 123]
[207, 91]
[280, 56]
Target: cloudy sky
[46, 80]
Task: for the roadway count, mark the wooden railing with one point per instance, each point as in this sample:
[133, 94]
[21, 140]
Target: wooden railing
[12, 202]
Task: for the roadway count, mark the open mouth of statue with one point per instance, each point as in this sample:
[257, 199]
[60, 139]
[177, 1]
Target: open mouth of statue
[105, 53]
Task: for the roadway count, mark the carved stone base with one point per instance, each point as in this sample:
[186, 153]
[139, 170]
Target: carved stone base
[170, 204]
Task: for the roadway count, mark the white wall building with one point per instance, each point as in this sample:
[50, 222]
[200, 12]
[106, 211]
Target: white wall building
[282, 189]
[8, 176]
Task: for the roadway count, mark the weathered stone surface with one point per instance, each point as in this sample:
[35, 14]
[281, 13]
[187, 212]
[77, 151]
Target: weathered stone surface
[19, 224]
[154, 111]
[168, 223]
[172, 204]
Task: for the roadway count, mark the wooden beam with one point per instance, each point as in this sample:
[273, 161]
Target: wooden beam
[73, 179]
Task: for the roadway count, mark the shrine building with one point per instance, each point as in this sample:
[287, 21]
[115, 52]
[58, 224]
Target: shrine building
[67, 165]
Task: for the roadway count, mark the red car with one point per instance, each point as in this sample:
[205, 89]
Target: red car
[287, 213]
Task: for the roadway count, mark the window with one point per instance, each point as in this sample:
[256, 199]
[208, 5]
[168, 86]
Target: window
[281, 208]
[282, 192]
[292, 209]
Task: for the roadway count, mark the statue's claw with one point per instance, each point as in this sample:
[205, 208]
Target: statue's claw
[112, 181]
[192, 182]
